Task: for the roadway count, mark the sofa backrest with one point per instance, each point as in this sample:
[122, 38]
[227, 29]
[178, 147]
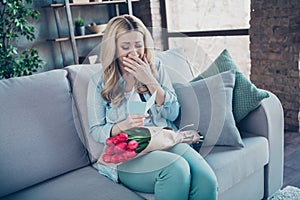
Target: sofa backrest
[38, 138]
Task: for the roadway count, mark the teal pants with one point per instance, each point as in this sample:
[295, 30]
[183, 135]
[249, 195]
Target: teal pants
[179, 173]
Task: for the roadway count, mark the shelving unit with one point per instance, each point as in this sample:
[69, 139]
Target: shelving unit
[67, 6]
[62, 39]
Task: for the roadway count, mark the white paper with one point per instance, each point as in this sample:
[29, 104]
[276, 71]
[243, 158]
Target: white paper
[139, 107]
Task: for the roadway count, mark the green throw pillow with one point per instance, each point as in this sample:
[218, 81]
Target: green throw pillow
[246, 97]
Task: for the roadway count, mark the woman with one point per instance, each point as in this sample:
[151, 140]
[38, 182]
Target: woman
[129, 73]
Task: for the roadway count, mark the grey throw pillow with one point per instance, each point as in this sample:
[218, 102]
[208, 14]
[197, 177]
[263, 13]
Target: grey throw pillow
[207, 104]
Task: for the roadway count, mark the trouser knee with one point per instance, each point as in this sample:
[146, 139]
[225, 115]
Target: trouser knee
[179, 169]
[174, 181]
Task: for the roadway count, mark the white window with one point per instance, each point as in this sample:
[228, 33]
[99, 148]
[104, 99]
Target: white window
[227, 21]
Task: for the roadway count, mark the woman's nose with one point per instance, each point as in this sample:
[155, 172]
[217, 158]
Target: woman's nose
[133, 52]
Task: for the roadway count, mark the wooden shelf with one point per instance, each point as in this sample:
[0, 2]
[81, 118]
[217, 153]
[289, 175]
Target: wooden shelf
[76, 37]
[53, 5]
[71, 38]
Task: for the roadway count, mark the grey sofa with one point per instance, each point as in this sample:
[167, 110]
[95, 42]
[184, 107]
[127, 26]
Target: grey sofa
[47, 153]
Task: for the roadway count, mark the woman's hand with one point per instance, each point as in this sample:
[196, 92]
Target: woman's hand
[139, 68]
[133, 120]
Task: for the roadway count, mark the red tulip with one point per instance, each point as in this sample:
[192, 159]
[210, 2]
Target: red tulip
[115, 141]
[129, 154]
[115, 159]
[132, 144]
[110, 141]
[124, 146]
[121, 147]
[122, 158]
[121, 137]
[110, 150]
[106, 158]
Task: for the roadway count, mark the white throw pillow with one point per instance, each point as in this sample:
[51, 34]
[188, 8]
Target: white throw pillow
[177, 65]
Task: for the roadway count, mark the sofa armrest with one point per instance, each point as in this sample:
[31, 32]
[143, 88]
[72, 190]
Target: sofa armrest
[268, 121]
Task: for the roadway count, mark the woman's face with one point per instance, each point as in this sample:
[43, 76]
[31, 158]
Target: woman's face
[130, 44]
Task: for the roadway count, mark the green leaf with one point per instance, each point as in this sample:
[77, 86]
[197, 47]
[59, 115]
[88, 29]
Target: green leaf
[13, 24]
[141, 147]
[138, 132]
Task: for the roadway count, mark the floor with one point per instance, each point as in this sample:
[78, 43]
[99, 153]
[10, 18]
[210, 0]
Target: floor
[291, 159]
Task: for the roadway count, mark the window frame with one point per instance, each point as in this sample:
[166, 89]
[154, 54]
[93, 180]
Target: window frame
[166, 34]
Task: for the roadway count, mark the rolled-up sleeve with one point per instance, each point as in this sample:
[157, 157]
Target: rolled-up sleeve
[170, 109]
[96, 107]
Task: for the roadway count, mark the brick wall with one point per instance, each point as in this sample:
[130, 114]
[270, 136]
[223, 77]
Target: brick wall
[274, 47]
[149, 12]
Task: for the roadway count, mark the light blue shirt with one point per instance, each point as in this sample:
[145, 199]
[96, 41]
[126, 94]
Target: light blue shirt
[102, 115]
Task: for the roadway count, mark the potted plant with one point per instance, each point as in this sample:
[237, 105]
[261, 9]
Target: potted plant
[13, 24]
[79, 26]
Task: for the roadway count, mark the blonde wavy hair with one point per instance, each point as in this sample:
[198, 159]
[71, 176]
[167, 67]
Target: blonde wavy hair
[112, 91]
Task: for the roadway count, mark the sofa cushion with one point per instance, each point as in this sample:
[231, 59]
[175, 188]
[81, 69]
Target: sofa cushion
[207, 104]
[79, 76]
[246, 97]
[38, 137]
[232, 166]
[85, 183]
[177, 65]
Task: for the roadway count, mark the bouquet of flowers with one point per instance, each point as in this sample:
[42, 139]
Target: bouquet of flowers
[137, 141]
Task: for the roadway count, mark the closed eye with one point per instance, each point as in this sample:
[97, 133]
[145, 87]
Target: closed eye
[125, 47]
[138, 46]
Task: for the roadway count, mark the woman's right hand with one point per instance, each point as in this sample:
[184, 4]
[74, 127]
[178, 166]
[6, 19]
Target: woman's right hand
[133, 120]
